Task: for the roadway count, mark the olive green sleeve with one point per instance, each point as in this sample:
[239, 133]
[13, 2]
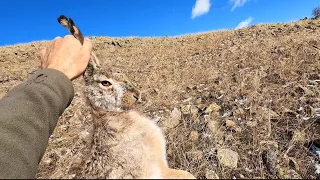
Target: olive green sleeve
[28, 116]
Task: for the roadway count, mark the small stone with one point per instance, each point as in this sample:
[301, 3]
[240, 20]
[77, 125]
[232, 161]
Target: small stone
[252, 124]
[194, 112]
[206, 94]
[269, 158]
[299, 136]
[198, 101]
[76, 161]
[194, 135]
[230, 124]
[211, 175]
[285, 173]
[174, 119]
[239, 111]
[186, 109]
[213, 126]
[228, 158]
[212, 107]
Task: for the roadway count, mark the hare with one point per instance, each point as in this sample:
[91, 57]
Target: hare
[123, 143]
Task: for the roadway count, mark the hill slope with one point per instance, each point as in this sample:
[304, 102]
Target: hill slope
[254, 91]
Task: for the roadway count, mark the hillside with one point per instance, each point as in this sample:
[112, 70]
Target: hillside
[254, 91]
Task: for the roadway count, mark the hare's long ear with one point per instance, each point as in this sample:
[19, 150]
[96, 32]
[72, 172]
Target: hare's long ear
[72, 28]
[75, 31]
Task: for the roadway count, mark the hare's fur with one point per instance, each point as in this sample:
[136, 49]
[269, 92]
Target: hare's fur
[125, 144]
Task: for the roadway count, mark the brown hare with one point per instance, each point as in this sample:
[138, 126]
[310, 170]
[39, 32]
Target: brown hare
[124, 143]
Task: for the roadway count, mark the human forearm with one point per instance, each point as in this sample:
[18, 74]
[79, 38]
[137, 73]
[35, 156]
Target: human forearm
[28, 116]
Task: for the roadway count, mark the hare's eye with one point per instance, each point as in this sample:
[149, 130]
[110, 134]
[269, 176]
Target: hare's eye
[105, 83]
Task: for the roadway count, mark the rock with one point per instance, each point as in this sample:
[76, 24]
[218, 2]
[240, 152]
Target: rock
[214, 126]
[285, 173]
[268, 113]
[269, 158]
[212, 107]
[173, 120]
[77, 160]
[194, 112]
[252, 124]
[299, 136]
[194, 135]
[230, 124]
[228, 158]
[211, 175]
[186, 109]
[206, 94]
[198, 100]
[239, 112]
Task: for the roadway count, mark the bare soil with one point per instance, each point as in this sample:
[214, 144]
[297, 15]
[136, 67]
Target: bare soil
[254, 91]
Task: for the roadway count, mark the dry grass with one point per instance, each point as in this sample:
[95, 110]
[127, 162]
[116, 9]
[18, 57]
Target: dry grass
[267, 75]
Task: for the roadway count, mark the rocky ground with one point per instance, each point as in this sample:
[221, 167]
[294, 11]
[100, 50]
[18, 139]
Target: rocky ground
[233, 104]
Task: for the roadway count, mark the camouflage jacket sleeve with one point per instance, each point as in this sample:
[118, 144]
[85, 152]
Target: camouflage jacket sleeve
[28, 116]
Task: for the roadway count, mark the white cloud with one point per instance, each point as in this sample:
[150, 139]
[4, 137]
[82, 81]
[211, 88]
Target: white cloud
[245, 23]
[237, 3]
[200, 8]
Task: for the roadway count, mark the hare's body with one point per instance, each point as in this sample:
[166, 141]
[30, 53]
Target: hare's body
[124, 143]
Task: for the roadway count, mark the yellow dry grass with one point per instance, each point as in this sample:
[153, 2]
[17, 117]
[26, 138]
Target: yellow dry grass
[265, 79]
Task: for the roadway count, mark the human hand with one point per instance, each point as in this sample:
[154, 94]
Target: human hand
[67, 55]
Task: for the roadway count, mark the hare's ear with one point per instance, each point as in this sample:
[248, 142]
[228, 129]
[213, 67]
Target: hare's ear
[94, 60]
[88, 74]
[71, 26]
[63, 20]
[75, 31]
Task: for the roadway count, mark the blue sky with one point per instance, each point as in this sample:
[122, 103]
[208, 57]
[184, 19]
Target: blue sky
[32, 20]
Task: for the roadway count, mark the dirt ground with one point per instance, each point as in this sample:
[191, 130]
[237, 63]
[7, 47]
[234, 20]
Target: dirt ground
[251, 95]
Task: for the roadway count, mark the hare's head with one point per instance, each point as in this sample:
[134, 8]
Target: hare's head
[109, 91]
